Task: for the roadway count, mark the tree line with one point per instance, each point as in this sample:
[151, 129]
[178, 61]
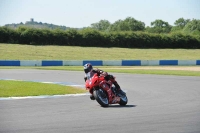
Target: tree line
[157, 26]
[38, 25]
[127, 33]
[128, 24]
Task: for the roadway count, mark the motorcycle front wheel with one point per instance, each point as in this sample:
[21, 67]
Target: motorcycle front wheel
[123, 99]
[101, 97]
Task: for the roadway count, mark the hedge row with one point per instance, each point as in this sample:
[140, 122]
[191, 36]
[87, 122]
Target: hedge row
[90, 37]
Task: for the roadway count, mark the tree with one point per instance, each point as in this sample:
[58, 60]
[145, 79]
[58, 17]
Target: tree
[102, 25]
[133, 24]
[181, 22]
[159, 26]
[117, 26]
[193, 27]
[128, 24]
[159, 23]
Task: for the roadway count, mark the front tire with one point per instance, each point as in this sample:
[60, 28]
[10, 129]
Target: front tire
[101, 97]
[123, 99]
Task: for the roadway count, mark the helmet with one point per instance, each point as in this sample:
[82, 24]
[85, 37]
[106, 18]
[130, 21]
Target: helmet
[88, 67]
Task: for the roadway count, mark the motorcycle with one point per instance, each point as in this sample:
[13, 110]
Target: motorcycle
[104, 92]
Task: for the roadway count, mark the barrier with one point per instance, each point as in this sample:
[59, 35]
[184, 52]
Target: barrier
[9, 63]
[52, 63]
[168, 62]
[99, 62]
[198, 62]
[131, 62]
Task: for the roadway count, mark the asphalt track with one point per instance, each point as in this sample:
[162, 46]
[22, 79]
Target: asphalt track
[157, 104]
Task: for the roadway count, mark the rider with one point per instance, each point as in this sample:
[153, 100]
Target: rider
[88, 68]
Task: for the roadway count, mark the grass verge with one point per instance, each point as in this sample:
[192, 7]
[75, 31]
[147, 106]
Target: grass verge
[31, 52]
[160, 72]
[22, 88]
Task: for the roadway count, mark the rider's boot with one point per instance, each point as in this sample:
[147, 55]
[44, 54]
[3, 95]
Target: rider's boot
[118, 89]
[92, 97]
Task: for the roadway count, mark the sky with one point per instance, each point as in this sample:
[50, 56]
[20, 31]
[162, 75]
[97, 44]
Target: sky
[82, 13]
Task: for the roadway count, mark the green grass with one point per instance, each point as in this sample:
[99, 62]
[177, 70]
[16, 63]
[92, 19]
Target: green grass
[22, 88]
[160, 72]
[31, 52]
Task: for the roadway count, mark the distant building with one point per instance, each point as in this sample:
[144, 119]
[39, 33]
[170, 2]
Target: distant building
[32, 20]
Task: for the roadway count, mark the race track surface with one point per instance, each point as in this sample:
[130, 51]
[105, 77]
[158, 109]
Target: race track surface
[157, 104]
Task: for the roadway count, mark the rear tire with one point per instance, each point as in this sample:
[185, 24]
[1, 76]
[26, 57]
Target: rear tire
[101, 97]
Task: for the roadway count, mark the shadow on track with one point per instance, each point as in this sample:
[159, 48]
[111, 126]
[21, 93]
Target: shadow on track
[119, 106]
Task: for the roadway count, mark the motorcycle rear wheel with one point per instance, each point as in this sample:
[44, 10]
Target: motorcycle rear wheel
[101, 97]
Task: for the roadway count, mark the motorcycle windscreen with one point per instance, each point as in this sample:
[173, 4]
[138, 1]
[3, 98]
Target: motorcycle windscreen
[89, 75]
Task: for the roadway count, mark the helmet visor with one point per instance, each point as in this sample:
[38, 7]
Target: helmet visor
[86, 70]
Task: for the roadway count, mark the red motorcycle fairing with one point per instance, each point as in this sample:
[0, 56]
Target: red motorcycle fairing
[106, 87]
[95, 82]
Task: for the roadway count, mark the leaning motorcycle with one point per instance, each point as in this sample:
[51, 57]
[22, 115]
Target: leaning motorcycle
[104, 91]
